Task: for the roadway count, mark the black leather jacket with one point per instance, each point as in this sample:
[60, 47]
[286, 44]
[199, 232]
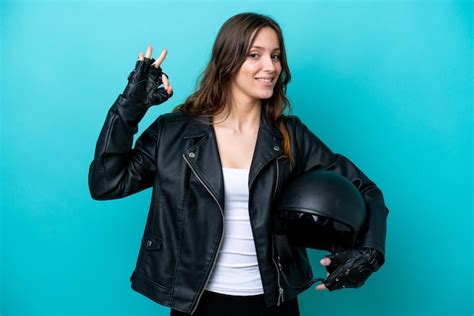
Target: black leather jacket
[178, 157]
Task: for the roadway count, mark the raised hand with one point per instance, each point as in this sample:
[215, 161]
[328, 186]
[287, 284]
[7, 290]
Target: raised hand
[145, 80]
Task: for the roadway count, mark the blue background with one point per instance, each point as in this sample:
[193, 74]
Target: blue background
[387, 83]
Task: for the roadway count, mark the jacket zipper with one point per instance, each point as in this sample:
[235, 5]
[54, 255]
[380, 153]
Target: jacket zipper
[220, 242]
[278, 267]
[278, 171]
[278, 264]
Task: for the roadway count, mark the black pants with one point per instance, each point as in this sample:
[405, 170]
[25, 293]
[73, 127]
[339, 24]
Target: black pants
[217, 304]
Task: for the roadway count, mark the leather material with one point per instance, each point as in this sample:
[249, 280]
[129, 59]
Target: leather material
[351, 268]
[177, 156]
[144, 84]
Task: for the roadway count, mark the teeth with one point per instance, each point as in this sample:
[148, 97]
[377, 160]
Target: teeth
[264, 79]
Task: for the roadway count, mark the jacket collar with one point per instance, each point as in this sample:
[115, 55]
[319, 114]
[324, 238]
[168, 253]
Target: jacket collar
[204, 159]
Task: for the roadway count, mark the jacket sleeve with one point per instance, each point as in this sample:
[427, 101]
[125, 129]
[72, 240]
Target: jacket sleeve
[118, 170]
[316, 155]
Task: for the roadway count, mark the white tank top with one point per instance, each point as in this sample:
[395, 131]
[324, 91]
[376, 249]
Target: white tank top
[236, 269]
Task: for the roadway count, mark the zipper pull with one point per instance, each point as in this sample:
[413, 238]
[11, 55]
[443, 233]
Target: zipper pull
[280, 296]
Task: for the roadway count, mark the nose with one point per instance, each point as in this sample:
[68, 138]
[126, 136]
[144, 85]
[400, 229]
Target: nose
[268, 64]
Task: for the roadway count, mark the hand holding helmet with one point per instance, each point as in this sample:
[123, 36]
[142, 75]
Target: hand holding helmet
[145, 80]
[350, 268]
[324, 210]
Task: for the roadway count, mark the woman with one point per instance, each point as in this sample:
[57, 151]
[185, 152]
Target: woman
[216, 163]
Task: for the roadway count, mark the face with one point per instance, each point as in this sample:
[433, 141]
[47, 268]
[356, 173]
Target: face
[257, 76]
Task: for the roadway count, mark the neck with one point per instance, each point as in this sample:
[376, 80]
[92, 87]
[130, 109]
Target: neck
[240, 117]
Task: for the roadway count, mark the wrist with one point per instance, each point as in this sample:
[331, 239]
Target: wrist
[374, 257]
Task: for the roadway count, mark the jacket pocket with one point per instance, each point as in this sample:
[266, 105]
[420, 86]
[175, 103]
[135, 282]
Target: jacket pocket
[155, 262]
[151, 242]
[298, 274]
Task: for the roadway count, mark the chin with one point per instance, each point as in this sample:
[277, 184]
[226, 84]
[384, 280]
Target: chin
[265, 95]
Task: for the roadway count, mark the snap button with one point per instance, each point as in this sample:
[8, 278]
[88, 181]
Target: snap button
[151, 242]
[276, 148]
[192, 155]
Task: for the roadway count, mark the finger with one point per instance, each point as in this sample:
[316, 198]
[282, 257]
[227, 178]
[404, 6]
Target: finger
[165, 80]
[340, 257]
[321, 287]
[160, 58]
[140, 56]
[325, 261]
[171, 90]
[149, 51]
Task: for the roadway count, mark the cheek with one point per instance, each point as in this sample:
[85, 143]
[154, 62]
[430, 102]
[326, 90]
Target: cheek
[250, 73]
[279, 69]
[245, 74]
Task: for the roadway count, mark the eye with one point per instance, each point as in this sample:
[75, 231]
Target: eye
[253, 55]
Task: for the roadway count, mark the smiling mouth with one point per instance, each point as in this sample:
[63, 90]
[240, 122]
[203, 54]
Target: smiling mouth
[265, 80]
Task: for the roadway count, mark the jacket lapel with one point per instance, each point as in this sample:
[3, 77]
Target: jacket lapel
[268, 146]
[204, 159]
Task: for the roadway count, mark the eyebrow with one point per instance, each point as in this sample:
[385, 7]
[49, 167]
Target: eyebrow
[260, 47]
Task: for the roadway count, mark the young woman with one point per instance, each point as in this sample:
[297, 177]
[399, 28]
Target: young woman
[216, 163]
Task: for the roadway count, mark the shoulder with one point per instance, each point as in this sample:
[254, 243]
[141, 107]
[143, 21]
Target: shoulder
[300, 131]
[293, 122]
[175, 117]
[174, 125]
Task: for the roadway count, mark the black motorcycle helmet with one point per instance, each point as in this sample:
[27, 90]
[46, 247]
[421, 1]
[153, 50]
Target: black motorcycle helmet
[319, 209]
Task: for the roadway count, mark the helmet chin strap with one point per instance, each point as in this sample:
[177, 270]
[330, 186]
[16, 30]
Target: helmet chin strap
[284, 252]
[334, 249]
[314, 280]
[285, 256]
[306, 285]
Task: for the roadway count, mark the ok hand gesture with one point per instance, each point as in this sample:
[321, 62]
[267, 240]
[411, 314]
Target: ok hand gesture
[145, 80]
